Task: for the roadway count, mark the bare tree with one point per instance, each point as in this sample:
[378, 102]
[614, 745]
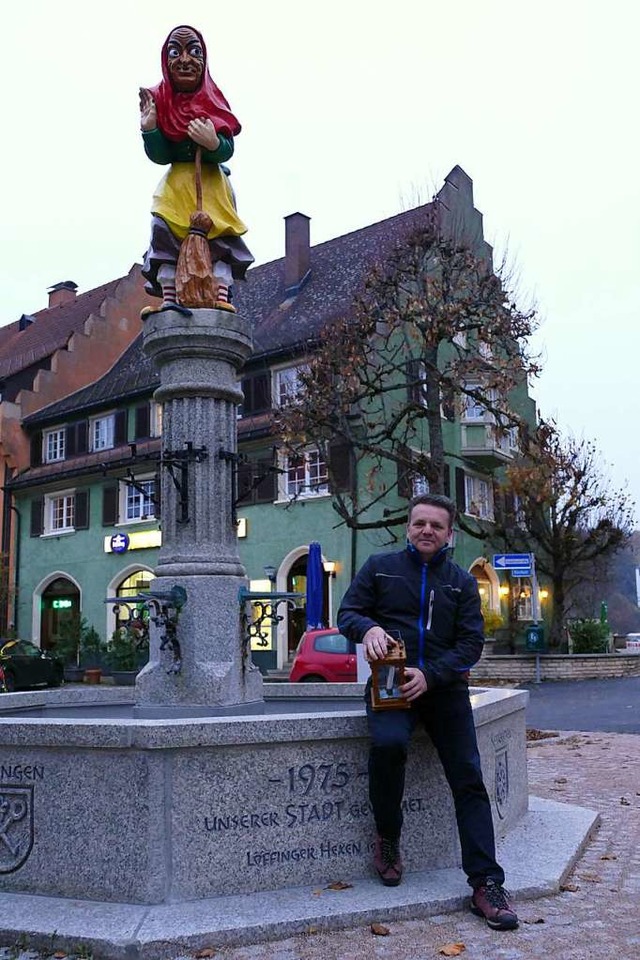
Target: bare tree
[434, 329]
[557, 503]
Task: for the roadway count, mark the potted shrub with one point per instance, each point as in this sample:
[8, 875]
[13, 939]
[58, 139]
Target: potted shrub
[128, 651]
[492, 622]
[91, 652]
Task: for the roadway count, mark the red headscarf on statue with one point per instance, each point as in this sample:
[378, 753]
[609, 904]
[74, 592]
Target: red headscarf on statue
[176, 109]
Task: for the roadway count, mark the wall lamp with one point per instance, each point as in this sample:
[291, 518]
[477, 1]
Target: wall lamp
[543, 594]
[270, 573]
[504, 591]
[330, 567]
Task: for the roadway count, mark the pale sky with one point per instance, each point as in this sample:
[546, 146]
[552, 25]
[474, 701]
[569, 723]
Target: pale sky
[352, 111]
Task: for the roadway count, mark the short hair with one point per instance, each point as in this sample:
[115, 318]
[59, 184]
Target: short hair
[434, 500]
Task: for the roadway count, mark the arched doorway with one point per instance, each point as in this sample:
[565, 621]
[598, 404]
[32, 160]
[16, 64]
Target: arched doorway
[488, 584]
[60, 608]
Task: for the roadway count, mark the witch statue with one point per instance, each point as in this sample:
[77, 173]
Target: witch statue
[196, 249]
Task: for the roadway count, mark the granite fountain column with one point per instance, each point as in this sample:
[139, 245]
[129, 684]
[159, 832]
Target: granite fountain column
[198, 355]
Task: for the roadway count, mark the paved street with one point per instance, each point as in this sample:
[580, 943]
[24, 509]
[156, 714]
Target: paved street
[594, 705]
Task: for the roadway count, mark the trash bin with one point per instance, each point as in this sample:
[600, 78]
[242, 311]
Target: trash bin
[535, 639]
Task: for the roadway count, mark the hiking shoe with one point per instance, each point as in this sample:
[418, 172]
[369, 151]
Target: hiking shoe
[491, 901]
[387, 861]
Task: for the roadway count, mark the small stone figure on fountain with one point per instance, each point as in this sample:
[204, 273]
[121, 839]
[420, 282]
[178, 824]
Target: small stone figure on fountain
[196, 248]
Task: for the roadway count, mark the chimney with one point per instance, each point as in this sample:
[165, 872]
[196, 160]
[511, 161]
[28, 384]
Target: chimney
[297, 251]
[62, 293]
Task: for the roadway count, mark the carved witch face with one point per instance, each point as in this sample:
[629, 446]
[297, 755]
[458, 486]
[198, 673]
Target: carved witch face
[185, 60]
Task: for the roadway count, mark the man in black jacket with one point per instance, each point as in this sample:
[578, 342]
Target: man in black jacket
[420, 595]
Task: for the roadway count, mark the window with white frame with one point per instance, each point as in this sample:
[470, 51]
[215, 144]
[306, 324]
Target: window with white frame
[305, 474]
[101, 432]
[287, 385]
[478, 497]
[473, 408]
[523, 597]
[54, 446]
[60, 512]
[138, 500]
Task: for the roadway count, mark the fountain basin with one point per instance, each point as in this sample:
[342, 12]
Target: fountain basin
[112, 807]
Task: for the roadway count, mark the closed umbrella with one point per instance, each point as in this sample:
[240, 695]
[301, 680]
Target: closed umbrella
[315, 587]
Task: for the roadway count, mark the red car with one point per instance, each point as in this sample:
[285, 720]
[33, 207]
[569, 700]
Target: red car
[324, 656]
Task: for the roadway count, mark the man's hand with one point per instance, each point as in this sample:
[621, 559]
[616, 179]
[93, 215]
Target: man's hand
[148, 113]
[415, 686]
[375, 643]
[204, 133]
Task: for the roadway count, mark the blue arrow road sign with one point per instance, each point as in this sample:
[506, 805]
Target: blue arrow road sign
[507, 561]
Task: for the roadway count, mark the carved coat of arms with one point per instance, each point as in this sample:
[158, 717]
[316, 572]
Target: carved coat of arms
[16, 826]
[502, 782]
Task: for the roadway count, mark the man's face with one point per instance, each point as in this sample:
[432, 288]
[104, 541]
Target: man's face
[185, 58]
[428, 529]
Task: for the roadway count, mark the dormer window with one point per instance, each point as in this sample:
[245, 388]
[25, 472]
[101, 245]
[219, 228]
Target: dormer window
[102, 432]
[53, 445]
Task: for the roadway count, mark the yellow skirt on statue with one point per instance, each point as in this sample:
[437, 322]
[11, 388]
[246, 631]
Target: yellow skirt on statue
[175, 201]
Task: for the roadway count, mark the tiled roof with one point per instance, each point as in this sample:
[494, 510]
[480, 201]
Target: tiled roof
[50, 330]
[338, 269]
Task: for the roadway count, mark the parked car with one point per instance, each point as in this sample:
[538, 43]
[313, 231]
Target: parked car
[23, 665]
[324, 656]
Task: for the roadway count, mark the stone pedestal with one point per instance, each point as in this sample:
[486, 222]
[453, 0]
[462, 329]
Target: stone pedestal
[198, 356]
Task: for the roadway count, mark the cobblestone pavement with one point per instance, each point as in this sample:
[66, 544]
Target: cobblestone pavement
[595, 917]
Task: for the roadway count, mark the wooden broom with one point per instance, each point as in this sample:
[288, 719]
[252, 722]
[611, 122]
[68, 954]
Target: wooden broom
[195, 284]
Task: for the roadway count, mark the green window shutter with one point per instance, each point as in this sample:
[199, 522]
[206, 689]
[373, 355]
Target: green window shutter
[267, 489]
[82, 436]
[109, 505]
[341, 467]
[120, 429]
[143, 421]
[81, 521]
[244, 481]
[70, 440]
[461, 498]
[36, 449]
[37, 517]
[447, 480]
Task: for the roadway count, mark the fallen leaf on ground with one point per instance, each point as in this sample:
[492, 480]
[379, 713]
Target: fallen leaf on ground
[533, 734]
[380, 930]
[590, 877]
[452, 949]
[203, 954]
[59, 954]
[608, 856]
[569, 888]
[317, 893]
[533, 920]
[561, 780]
[338, 885]
[625, 802]
[311, 930]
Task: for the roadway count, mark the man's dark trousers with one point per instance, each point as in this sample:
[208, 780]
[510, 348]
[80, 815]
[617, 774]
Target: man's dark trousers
[447, 716]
